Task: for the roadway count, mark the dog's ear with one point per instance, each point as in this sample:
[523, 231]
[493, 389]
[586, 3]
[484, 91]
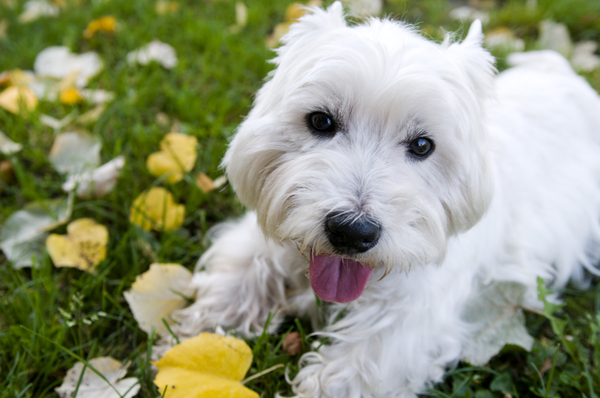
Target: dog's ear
[314, 23]
[476, 61]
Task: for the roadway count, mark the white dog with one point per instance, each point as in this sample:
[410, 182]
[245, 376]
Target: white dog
[399, 179]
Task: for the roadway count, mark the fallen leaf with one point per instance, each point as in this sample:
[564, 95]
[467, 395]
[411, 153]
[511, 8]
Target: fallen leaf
[93, 386]
[208, 365]
[157, 293]
[469, 14]
[241, 17]
[154, 51]
[3, 29]
[165, 7]
[83, 247]
[55, 123]
[555, 36]
[97, 96]
[220, 181]
[95, 183]
[71, 96]
[504, 39]
[293, 12]
[177, 155]
[92, 115]
[75, 152]
[106, 24]
[364, 8]
[17, 99]
[8, 146]
[58, 62]
[156, 209]
[34, 9]
[7, 174]
[24, 233]
[292, 344]
[499, 319]
[584, 56]
[205, 183]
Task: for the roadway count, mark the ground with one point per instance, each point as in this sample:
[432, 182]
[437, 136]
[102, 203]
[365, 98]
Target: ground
[47, 313]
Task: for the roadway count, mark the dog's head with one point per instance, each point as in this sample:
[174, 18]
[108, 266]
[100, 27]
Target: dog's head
[366, 146]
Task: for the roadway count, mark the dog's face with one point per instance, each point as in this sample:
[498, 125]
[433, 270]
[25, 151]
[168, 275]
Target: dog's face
[366, 147]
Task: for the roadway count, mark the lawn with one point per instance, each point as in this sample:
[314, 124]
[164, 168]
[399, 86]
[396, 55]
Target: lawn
[51, 316]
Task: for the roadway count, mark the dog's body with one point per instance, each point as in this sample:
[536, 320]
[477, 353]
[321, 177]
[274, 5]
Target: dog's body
[510, 192]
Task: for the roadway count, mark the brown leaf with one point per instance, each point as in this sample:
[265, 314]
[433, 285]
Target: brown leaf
[205, 183]
[292, 344]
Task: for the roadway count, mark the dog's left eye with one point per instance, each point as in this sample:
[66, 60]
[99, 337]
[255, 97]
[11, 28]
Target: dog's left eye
[321, 124]
[421, 147]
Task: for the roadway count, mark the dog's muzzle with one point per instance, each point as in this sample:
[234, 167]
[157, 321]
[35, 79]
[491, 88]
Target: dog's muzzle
[350, 235]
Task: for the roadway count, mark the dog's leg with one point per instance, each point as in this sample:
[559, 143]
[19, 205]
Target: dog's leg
[244, 278]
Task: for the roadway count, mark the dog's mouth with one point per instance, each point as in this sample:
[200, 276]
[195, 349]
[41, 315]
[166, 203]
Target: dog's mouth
[338, 279]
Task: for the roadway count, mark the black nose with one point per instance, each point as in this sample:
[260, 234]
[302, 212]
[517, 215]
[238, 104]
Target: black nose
[350, 235]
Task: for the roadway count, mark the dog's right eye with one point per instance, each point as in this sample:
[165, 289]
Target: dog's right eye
[321, 124]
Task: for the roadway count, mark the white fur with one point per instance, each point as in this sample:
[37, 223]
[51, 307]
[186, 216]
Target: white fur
[511, 192]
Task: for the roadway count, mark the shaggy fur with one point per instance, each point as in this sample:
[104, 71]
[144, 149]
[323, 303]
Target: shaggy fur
[511, 192]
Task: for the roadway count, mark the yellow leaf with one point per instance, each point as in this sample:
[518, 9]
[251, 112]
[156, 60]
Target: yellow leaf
[70, 96]
[107, 24]
[205, 183]
[83, 247]
[166, 7]
[294, 11]
[156, 209]
[157, 293]
[206, 366]
[16, 99]
[177, 155]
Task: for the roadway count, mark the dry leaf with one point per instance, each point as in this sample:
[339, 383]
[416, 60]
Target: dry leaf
[7, 174]
[364, 8]
[292, 344]
[83, 247]
[157, 293]
[241, 17]
[3, 29]
[504, 39]
[205, 183]
[156, 209]
[97, 96]
[177, 155]
[154, 51]
[499, 319]
[208, 365]
[92, 115]
[93, 386]
[34, 9]
[16, 99]
[468, 14]
[7, 146]
[164, 7]
[107, 24]
[584, 56]
[24, 233]
[58, 62]
[70, 96]
[96, 183]
[55, 123]
[555, 36]
[75, 152]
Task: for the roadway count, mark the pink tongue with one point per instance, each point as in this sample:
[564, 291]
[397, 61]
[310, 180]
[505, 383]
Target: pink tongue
[336, 279]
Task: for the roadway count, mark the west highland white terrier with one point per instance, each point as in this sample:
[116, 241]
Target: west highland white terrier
[401, 181]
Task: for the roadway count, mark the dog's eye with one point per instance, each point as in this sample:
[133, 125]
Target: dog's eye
[421, 147]
[321, 124]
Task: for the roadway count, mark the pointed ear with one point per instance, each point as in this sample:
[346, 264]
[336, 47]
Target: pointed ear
[314, 23]
[476, 61]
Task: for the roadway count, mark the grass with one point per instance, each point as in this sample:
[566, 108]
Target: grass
[49, 314]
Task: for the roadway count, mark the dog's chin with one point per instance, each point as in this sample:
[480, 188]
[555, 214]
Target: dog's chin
[337, 279]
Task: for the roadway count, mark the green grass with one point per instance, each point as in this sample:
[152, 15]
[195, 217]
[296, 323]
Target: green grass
[48, 314]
